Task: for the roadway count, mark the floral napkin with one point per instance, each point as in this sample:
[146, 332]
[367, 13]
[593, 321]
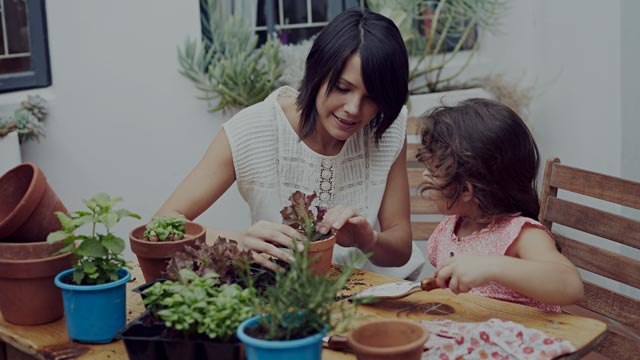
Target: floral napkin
[492, 339]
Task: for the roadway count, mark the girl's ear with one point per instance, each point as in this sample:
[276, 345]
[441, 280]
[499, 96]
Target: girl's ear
[467, 191]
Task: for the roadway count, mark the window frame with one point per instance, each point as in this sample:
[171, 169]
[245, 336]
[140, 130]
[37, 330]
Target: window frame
[40, 74]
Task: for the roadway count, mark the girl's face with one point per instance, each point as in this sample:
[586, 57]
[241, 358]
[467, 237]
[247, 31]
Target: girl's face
[436, 196]
[347, 108]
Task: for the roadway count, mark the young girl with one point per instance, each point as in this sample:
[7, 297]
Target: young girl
[340, 135]
[481, 166]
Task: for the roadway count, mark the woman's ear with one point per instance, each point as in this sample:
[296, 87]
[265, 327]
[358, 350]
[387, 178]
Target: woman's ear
[467, 191]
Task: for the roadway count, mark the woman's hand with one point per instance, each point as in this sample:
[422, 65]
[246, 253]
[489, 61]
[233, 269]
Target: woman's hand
[461, 273]
[269, 238]
[351, 228]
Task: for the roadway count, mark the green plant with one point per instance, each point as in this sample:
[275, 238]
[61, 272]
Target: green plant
[97, 256]
[201, 305]
[301, 303]
[435, 32]
[301, 217]
[165, 228]
[226, 66]
[224, 258]
[26, 120]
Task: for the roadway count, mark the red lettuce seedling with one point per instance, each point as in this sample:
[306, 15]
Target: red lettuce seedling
[299, 215]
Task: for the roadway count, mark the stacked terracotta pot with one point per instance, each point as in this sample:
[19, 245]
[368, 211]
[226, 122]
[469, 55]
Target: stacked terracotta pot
[28, 295]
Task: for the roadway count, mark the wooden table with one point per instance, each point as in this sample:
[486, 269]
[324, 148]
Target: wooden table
[50, 341]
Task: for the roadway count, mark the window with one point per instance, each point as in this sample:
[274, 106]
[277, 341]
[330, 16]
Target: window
[297, 20]
[24, 51]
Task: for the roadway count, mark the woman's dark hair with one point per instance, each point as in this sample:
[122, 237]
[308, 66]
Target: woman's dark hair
[385, 66]
[487, 144]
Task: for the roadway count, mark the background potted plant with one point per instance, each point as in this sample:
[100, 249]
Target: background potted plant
[25, 124]
[300, 216]
[194, 313]
[156, 242]
[297, 311]
[227, 66]
[93, 291]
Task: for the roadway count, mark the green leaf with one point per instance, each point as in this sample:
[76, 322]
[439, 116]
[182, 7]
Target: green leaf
[113, 244]
[109, 219]
[92, 248]
[56, 236]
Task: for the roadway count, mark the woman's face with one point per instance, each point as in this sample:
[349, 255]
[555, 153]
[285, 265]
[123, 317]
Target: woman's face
[348, 107]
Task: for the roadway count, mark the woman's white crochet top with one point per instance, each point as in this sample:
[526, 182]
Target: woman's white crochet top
[271, 163]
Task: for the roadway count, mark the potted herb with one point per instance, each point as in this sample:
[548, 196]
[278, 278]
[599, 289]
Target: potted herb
[25, 124]
[297, 311]
[194, 314]
[300, 216]
[93, 291]
[155, 243]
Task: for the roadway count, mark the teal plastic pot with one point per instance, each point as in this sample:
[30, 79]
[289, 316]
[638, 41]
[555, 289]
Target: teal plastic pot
[94, 313]
[309, 348]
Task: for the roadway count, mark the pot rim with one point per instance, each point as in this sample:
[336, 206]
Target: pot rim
[273, 344]
[73, 287]
[367, 349]
[24, 208]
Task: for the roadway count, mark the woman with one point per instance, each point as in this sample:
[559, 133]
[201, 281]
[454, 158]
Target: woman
[341, 136]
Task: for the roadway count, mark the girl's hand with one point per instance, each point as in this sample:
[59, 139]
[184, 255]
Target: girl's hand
[461, 273]
[269, 238]
[351, 228]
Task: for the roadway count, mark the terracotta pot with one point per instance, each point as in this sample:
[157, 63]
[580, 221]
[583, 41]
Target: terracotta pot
[320, 254]
[28, 295]
[388, 339]
[28, 205]
[154, 256]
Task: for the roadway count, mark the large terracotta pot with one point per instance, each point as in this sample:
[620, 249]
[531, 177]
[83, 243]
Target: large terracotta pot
[320, 254]
[154, 256]
[28, 205]
[28, 295]
[388, 339]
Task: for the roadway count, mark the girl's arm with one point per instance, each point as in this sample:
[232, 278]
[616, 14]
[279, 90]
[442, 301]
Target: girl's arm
[532, 266]
[211, 177]
[392, 245]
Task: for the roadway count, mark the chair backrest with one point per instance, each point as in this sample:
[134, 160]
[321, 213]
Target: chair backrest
[622, 313]
[424, 215]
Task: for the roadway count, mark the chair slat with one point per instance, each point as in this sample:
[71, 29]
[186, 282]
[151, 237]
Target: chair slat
[600, 261]
[415, 177]
[618, 307]
[412, 151]
[413, 125]
[609, 188]
[420, 205]
[421, 230]
[593, 221]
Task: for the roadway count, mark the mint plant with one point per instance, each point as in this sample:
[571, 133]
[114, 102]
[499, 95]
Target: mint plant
[97, 256]
[165, 228]
[201, 305]
[300, 216]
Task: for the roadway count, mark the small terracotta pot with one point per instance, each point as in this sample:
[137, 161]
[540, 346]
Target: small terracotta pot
[28, 205]
[28, 295]
[154, 256]
[388, 339]
[320, 254]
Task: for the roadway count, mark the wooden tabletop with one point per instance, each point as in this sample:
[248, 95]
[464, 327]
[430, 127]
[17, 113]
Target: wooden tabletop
[50, 341]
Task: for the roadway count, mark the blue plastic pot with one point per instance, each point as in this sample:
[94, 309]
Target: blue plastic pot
[309, 348]
[94, 313]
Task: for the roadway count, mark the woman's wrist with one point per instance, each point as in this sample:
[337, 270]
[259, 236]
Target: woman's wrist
[373, 242]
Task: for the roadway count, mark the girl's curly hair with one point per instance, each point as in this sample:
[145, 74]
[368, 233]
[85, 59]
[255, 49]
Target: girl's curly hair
[486, 144]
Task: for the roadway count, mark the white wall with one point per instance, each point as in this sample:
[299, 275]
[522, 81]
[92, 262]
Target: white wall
[124, 121]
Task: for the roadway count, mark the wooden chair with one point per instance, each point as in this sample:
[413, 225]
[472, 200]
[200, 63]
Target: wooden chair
[620, 312]
[424, 215]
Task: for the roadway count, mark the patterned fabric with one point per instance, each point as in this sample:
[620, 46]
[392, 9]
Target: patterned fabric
[271, 163]
[492, 339]
[494, 239]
